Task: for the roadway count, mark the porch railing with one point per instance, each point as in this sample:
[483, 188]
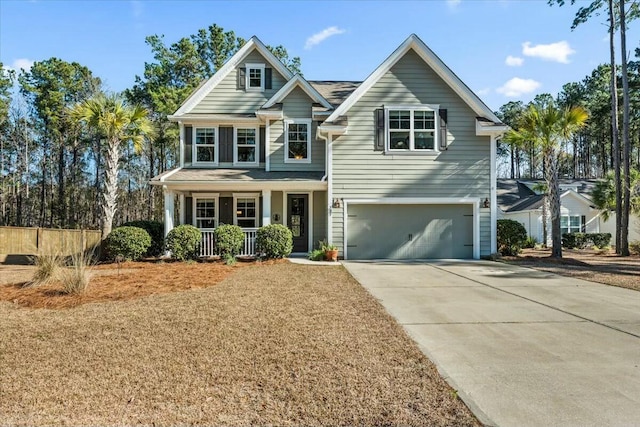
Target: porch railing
[208, 244]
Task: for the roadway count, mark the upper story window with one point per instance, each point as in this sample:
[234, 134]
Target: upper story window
[412, 129]
[297, 137]
[204, 145]
[255, 77]
[245, 146]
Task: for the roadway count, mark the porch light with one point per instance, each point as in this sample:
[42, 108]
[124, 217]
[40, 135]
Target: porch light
[485, 204]
[337, 203]
[238, 212]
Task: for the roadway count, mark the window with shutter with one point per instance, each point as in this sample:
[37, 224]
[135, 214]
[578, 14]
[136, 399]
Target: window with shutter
[415, 129]
[255, 77]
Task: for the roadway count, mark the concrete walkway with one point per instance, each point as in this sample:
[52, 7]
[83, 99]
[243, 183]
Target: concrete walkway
[522, 347]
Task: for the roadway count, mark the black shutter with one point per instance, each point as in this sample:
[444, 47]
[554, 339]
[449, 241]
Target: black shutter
[378, 144]
[583, 224]
[225, 134]
[226, 210]
[262, 144]
[188, 142]
[242, 81]
[267, 78]
[442, 136]
[188, 210]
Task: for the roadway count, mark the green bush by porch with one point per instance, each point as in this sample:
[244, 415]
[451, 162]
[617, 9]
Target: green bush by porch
[274, 241]
[183, 242]
[128, 243]
[229, 240]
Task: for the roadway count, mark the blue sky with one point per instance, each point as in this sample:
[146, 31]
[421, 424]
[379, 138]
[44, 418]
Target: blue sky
[502, 49]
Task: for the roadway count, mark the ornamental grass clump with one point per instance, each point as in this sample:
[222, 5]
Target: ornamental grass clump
[47, 268]
[75, 278]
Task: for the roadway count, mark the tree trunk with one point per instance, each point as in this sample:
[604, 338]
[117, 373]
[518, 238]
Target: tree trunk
[626, 196]
[110, 185]
[61, 211]
[553, 191]
[545, 218]
[615, 144]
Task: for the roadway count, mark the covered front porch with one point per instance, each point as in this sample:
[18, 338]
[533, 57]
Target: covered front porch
[297, 200]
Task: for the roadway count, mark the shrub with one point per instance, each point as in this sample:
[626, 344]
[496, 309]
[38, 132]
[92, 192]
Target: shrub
[582, 240]
[155, 230]
[274, 241]
[183, 242]
[47, 268]
[634, 247]
[600, 240]
[511, 236]
[127, 243]
[574, 240]
[229, 240]
[531, 242]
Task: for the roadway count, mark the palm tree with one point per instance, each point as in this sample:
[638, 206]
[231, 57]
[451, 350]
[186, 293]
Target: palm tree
[548, 126]
[604, 194]
[117, 122]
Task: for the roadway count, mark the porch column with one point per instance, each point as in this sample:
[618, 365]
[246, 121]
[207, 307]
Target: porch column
[266, 207]
[183, 208]
[168, 210]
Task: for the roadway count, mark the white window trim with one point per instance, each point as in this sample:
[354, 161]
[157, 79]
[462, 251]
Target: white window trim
[237, 196]
[194, 146]
[569, 227]
[286, 140]
[412, 108]
[248, 68]
[236, 162]
[196, 197]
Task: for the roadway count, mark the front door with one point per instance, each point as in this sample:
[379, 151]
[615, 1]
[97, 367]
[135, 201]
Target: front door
[298, 221]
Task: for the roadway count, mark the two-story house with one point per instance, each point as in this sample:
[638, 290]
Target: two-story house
[399, 166]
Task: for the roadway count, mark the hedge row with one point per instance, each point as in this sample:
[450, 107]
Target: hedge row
[582, 240]
[145, 238]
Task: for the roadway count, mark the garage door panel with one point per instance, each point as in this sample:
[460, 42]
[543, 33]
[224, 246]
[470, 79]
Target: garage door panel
[409, 231]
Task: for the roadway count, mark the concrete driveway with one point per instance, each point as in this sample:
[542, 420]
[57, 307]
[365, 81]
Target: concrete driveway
[522, 347]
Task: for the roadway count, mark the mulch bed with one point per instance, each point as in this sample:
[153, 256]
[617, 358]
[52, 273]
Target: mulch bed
[601, 266]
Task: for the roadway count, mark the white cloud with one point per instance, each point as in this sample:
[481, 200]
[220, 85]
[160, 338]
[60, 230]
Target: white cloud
[20, 64]
[517, 87]
[558, 52]
[453, 3]
[318, 38]
[513, 61]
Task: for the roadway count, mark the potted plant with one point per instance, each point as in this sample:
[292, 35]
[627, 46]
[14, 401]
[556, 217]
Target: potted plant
[330, 251]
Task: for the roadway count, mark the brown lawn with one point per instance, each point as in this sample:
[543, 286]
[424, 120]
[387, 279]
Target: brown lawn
[270, 344]
[596, 266]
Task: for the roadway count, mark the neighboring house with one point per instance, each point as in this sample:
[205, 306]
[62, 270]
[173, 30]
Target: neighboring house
[519, 200]
[399, 166]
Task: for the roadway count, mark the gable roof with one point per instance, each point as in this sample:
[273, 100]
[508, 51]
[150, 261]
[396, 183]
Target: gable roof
[297, 81]
[432, 60]
[515, 195]
[203, 90]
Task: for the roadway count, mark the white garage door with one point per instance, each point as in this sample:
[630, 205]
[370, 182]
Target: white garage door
[389, 231]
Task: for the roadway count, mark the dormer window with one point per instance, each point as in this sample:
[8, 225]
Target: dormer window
[255, 77]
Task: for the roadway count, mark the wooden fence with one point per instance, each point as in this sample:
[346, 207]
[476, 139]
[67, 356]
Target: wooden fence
[34, 241]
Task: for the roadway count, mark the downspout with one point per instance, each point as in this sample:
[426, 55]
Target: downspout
[327, 178]
[494, 197]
